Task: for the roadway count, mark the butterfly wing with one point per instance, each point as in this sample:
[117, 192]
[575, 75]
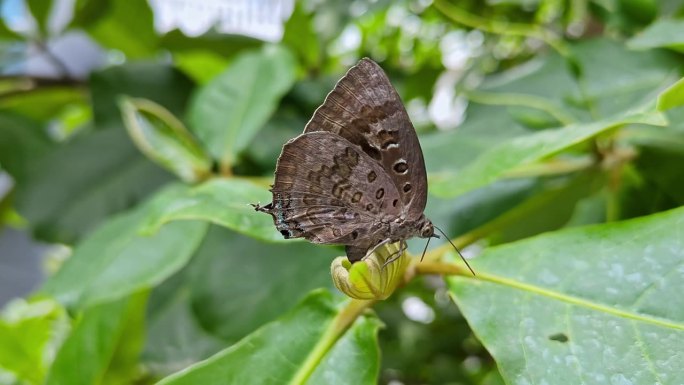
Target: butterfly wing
[329, 192]
[366, 110]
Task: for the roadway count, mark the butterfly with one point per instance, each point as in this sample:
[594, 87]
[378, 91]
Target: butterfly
[356, 176]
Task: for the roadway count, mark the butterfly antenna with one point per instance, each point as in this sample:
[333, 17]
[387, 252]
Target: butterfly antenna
[457, 250]
[425, 249]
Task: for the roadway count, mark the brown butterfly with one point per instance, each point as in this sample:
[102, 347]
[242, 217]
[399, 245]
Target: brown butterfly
[356, 176]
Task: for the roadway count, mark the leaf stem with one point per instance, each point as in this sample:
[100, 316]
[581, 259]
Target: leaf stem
[586, 303]
[225, 170]
[552, 167]
[513, 99]
[344, 319]
[442, 268]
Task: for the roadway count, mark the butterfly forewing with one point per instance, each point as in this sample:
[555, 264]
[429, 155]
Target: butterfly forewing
[328, 191]
[365, 109]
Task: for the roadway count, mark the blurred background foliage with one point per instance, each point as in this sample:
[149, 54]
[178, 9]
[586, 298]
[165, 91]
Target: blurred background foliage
[133, 134]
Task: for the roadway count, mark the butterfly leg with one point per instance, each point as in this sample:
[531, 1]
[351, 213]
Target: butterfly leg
[258, 207]
[396, 255]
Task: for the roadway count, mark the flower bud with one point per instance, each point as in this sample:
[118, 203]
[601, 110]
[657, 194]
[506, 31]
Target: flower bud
[372, 277]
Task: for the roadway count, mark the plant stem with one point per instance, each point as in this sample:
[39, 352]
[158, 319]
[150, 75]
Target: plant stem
[225, 170]
[51, 57]
[344, 319]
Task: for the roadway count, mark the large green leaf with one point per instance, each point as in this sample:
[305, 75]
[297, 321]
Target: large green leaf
[493, 164]
[65, 196]
[308, 345]
[228, 111]
[592, 305]
[105, 342]
[117, 259]
[225, 202]
[211, 303]
[230, 272]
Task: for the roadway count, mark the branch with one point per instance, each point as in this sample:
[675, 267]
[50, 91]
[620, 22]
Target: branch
[24, 84]
[57, 62]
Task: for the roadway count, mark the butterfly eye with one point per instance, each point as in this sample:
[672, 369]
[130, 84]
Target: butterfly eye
[427, 231]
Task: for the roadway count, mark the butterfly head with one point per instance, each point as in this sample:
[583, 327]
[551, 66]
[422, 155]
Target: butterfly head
[427, 230]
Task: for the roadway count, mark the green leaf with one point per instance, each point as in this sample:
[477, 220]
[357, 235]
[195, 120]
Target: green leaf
[160, 83]
[105, 342]
[210, 304]
[164, 139]
[528, 85]
[313, 354]
[22, 141]
[672, 97]
[52, 100]
[201, 66]
[549, 209]
[175, 338]
[301, 37]
[650, 165]
[223, 285]
[127, 26]
[495, 163]
[446, 152]
[6, 33]
[82, 193]
[227, 112]
[586, 305]
[40, 9]
[663, 33]
[27, 331]
[596, 91]
[226, 45]
[88, 12]
[225, 202]
[630, 81]
[117, 260]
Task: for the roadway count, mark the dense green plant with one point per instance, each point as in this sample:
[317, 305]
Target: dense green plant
[563, 180]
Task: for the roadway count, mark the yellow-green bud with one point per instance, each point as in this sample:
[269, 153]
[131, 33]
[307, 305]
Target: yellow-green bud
[370, 278]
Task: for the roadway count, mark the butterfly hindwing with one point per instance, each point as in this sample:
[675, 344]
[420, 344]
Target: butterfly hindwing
[327, 191]
[365, 109]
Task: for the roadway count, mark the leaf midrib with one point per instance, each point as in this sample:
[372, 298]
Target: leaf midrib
[578, 301]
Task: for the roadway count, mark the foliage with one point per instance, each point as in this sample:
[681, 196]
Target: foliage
[560, 177]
